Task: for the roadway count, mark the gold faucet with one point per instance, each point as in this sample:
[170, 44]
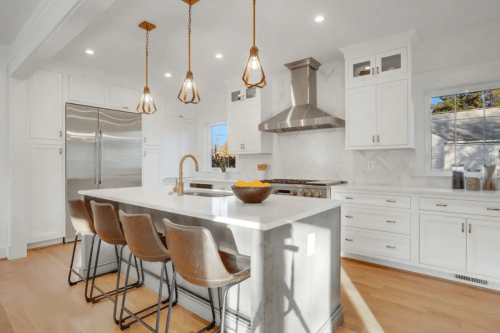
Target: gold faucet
[180, 187]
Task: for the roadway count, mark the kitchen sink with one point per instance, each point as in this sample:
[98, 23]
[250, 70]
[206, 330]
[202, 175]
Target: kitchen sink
[208, 194]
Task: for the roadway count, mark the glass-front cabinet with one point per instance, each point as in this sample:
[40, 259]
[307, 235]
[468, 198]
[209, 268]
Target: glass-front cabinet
[392, 62]
[242, 97]
[362, 68]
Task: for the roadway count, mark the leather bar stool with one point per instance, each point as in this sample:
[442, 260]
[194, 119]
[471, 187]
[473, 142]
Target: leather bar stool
[109, 229]
[145, 243]
[197, 259]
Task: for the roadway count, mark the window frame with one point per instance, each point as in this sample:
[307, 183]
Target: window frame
[208, 150]
[428, 95]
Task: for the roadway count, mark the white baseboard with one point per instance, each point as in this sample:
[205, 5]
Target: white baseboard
[4, 251]
[35, 245]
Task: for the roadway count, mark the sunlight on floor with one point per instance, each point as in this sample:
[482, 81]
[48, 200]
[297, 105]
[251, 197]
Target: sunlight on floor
[371, 324]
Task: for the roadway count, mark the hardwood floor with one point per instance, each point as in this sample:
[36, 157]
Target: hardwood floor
[35, 297]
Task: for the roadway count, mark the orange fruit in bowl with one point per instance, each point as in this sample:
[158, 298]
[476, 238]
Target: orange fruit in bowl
[256, 183]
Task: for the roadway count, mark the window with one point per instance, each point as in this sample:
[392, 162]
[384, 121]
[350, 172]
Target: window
[218, 147]
[465, 129]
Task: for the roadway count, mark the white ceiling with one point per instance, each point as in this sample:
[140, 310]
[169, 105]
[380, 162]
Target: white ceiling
[286, 32]
[13, 15]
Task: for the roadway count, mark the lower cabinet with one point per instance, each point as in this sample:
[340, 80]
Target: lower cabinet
[151, 167]
[46, 192]
[466, 245]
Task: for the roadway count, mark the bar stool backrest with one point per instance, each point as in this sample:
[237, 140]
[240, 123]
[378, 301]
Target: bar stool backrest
[79, 215]
[106, 223]
[195, 255]
[142, 237]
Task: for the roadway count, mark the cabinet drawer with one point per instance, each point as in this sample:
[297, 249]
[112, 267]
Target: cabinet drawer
[376, 219]
[370, 243]
[486, 208]
[382, 200]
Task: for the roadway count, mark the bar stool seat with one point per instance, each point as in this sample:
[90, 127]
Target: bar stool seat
[236, 264]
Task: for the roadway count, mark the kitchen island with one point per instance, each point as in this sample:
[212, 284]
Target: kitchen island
[294, 244]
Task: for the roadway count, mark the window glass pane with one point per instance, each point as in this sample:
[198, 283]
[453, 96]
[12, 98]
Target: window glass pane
[472, 103]
[391, 62]
[492, 153]
[472, 155]
[361, 69]
[219, 142]
[492, 102]
[443, 132]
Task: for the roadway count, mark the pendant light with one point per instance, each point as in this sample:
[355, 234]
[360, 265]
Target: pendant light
[254, 67]
[189, 92]
[146, 104]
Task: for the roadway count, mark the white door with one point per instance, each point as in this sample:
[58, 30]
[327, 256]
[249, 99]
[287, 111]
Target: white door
[362, 117]
[483, 248]
[392, 62]
[47, 193]
[89, 92]
[392, 113]
[443, 241]
[46, 116]
[151, 167]
[125, 99]
[361, 69]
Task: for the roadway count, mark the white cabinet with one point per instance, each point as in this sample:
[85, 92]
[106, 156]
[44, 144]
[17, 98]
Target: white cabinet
[88, 92]
[46, 111]
[392, 62]
[392, 113]
[154, 126]
[188, 146]
[361, 69]
[124, 99]
[443, 241]
[240, 97]
[46, 192]
[243, 132]
[483, 248]
[180, 111]
[362, 117]
[151, 167]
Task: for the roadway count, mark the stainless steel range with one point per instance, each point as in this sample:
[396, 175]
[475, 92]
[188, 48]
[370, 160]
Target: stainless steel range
[303, 187]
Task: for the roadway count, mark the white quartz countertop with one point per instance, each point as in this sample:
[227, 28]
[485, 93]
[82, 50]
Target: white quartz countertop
[423, 191]
[274, 212]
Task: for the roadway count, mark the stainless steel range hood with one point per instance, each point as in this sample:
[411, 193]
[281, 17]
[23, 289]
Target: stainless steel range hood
[304, 114]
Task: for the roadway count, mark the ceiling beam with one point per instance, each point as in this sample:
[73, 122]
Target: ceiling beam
[53, 25]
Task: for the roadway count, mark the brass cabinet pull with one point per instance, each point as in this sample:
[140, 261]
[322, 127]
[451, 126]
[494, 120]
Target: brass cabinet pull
[349, 198]
[463, 226]
[349, 216]
[125, 107]
[349, 239]
[390, 247]
[469, 229]
[378, 138]
[60, 134]
[373, 70]
[441, 205]
[392, 201]
[390, 221]
[494, 209]
[373, 139]
[377, 70]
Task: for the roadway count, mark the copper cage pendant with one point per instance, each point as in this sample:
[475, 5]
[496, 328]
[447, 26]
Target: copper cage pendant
[146, 104]
[253, 63]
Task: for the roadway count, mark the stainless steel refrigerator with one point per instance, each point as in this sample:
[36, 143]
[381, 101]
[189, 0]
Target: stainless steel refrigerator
[103, 150]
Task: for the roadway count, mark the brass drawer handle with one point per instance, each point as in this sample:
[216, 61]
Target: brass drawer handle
[392, 201]
[349, 198]
[390, 221]
[463, 226]
[441, 205]
[494, 209]
[390, 247]
[349, 239]
[349, 217]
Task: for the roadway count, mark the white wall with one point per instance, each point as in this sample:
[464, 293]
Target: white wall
[4, 161]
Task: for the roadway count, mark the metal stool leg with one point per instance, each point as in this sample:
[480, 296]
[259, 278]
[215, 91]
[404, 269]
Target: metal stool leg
[172, 288]
[88, 269]
[71, 270]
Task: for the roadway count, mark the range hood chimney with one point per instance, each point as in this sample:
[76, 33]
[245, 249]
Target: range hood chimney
[304, 114]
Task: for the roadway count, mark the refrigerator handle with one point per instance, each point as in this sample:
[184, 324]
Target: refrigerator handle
[96, 159]
[100, 158]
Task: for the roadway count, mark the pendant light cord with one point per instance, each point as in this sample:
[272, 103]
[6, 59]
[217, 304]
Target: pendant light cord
[189, 36]
[147, 55]
[254, 22]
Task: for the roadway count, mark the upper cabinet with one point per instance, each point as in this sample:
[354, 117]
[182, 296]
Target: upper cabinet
[247, 108]
[379, 108]
[46, 111]
[125, 99]
[180, 111]
[88, 92]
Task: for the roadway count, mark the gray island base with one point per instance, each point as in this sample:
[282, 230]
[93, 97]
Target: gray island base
[295, 280]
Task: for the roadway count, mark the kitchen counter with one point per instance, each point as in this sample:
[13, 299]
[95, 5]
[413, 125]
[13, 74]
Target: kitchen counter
[293, 242]
[274, 212]
[427, 191]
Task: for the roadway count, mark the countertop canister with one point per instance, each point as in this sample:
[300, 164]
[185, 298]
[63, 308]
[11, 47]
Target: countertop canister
[489, 177]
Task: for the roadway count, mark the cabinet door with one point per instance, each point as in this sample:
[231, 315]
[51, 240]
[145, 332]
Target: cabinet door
[46, 116]
[86, 91]
[180, 111]
[188, 146]
[125, 99]
[443, 241]
[392, 62]
[362, 117]
[243, 130]
[392, 113]
[151, 167]
[362, 68]
[171, 150]
[242, 97]
[235, 130]
[47, 193]
[483, 247]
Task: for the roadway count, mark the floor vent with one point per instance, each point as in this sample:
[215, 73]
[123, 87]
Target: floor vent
[466, 278]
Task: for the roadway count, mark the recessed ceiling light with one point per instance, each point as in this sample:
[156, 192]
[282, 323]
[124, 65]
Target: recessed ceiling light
[218, 56]
[319, 19]
[168, 75]
[89, 51]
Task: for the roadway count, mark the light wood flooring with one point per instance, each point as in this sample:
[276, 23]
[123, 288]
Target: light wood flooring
[35, 297]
